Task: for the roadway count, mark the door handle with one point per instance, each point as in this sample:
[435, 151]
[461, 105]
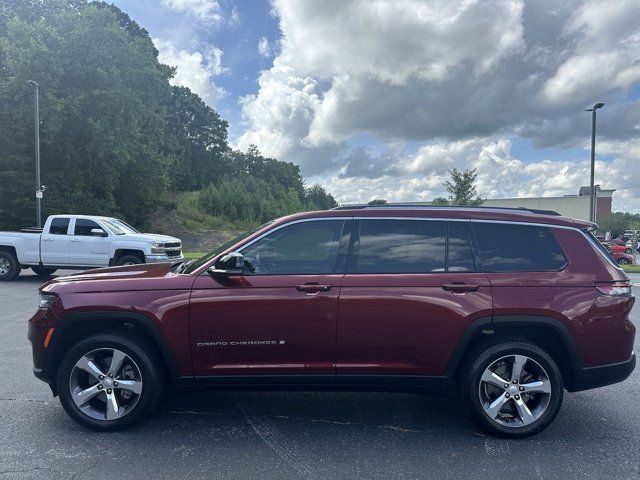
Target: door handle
[74, 240]
[459, 287]
[47, 239]
[313, 288]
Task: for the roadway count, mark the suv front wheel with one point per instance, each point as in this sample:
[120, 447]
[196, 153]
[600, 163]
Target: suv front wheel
[513, 388]
[108, 382]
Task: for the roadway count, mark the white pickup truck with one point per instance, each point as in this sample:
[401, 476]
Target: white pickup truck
[80, 241]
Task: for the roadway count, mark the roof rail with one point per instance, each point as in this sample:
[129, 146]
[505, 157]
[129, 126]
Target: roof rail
[359, 206]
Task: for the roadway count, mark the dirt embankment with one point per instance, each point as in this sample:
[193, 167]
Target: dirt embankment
[167, 222]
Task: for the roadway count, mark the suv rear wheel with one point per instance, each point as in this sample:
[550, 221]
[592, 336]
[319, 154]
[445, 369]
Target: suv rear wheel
[108, 382]
[513, 388]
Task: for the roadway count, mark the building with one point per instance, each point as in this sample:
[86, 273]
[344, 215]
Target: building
[576, 206]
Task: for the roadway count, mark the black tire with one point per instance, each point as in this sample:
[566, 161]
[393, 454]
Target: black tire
[487, 354]
[130, 260]
[624, 261]
[146, 360]
[43, 271]
[628, 251]
[9, 265]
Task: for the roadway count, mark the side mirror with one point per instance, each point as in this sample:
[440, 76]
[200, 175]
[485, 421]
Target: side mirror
[229, 265]
[98, 232]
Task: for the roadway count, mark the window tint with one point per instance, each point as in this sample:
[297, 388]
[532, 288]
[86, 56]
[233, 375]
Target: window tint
[512, 248]
[59, 226]
[83, 227]
[460, 255]
[300, 248]
[399, 246]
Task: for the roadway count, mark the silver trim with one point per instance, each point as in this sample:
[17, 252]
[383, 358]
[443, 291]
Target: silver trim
[590, 239]
[344, 218]
[302, 220]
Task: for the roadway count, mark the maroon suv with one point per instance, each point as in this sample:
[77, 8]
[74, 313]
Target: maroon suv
[382, 297]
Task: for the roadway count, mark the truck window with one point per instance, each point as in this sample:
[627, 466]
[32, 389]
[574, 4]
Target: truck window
[83, 227]
[59, 226]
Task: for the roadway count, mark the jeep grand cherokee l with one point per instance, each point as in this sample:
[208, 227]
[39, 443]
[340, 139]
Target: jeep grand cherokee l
[386, 297]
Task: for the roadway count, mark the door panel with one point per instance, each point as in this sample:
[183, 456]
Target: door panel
[86, 250]
[405, 324]
[54, 246]
[256, 325]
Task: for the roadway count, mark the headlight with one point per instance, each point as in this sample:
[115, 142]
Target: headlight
[46, 300]
[157, 248]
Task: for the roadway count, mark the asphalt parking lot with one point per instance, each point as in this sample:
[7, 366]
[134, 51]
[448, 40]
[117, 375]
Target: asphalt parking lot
[299, 435]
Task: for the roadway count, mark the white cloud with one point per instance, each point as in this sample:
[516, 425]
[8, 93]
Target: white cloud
[454, 79]
[193, 69]
[264, 49]
[500, 175]
[203, 10]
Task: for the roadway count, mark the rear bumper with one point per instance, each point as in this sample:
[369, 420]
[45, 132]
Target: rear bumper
[594, 377]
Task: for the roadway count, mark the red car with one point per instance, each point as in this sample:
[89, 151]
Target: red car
[370, 297]
[616, 248]
[622, 258]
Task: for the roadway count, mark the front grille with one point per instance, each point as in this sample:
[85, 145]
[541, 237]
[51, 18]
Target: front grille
[172, 245]
[173, 253]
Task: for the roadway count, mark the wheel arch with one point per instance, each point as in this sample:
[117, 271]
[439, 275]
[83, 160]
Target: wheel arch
[9, 249]
[121, 252]
[76, 326]
[546, 332]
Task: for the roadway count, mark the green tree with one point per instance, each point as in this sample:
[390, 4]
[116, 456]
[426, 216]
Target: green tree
[197, 139]
[462, 188]
[618, 222]
[103, 100]
[317, 198]
[377, 201]
[440, 201]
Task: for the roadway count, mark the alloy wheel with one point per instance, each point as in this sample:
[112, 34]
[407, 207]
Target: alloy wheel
[5, 266]
[105, 384]
[514, 391]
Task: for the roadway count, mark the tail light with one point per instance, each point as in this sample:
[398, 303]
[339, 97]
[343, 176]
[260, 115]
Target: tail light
[614, 289]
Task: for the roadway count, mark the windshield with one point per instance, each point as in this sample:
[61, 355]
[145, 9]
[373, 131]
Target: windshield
[195, 264]
[119, 227]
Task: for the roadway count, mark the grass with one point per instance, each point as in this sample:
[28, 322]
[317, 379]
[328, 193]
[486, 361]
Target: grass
[192, 255]
[631, 268]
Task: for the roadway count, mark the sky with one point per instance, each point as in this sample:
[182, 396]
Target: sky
[379, 98]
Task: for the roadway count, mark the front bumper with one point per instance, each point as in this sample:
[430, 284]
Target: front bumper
[594, 377]
[163, 258]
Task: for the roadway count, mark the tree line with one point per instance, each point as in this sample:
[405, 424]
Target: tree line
[116, 137]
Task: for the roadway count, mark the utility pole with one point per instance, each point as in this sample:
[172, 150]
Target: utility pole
[592, 189]
[39, 188]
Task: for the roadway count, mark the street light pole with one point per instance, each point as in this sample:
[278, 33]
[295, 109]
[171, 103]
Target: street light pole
[37, 142]
[592, 189]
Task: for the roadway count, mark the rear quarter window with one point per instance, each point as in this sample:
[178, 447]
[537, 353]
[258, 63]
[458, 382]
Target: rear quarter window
[507, 247]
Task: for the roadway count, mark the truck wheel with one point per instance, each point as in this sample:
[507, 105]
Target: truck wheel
[628, 251]
[513, 388]
[109, 381]
[129, 260]
[43, 271]
[9, 267]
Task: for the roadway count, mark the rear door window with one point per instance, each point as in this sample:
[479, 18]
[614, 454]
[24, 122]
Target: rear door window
[399, 246]
[59, 226]
[505, 247]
